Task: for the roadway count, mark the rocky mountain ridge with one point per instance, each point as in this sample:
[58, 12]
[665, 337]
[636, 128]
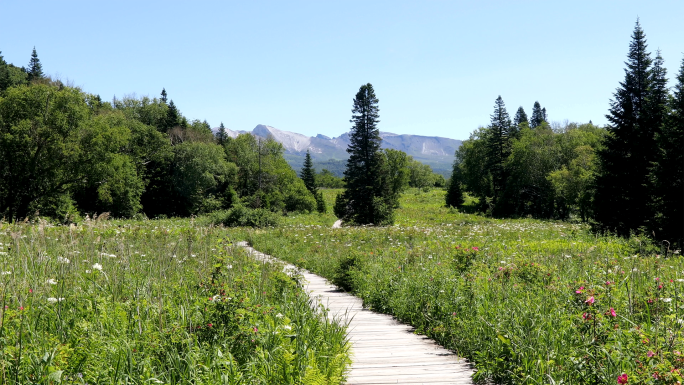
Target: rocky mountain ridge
[436, 151]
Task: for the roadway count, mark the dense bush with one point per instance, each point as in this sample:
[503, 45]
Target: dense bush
[239, 216]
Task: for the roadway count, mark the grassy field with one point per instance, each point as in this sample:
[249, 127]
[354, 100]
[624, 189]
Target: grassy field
[527, 301]
[154, 302]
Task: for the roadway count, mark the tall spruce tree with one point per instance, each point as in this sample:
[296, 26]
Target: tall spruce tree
[172, 117]
[520, 117]
[668, 173]
[498, 146]
[622, 199]
[5, 80]
[308, 174]
[366, 199]
[538, 115]
[221, 135]
[35, 69]
[454, 194]
[164, 96]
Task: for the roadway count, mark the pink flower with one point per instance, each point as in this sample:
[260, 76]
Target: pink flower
[585, 316]
[255, 329]
[612, 312]
[590, 300]
[622, 379]
[650, 354]
[580, 290]
[475, 248]
[210, 325]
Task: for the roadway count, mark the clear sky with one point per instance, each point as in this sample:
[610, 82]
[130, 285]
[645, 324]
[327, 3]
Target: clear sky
[436, 66]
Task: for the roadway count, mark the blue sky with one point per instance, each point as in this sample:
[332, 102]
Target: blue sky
[436, 66]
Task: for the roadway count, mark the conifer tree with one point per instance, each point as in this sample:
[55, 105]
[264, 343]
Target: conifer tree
[520, 117]
[172, 117]
[221, 135]
[668, 172]
[308, 174]
[164, 96]
[35, 70]
[538, 115]
[622, 197]
[498, 145]
[4, 74]
[454, 195]
[367, 197]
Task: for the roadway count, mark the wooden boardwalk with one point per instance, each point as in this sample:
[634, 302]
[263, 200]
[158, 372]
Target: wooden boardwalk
[384, 351]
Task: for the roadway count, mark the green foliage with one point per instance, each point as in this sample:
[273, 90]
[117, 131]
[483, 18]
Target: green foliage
[420, 175]
[200, 174]
[538, 116]
[35, 69]
[241, 216]
[454, 193]
[368, 195]
[308, 174]
[512, 296]
[221, 135]
[327, 179]
[521, 118]
[155, 302]
[622, 193]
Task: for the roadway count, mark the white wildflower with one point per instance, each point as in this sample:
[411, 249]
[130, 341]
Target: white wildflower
[63, 260]
[53, 299]
[229, 267]
[666, 299]
[279, 315]
[97, 266]
[52, 281]
[6, 273]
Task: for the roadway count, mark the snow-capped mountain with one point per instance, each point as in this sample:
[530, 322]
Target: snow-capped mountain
[436, 151]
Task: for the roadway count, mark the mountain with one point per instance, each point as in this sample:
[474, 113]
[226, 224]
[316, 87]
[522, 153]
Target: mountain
[436, 151]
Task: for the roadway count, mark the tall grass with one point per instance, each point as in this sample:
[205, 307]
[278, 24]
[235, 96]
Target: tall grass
[527, 301]
[126, 302]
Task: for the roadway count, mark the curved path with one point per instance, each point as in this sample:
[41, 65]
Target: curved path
[384, 351]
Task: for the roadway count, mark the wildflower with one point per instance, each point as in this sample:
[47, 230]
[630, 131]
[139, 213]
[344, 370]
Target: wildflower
[650, 354]
[21, 308]
[30, 290]
[608, 283]
[63, 260]
[590, 300]
[53, 300]
[279, 315]
[476, 248]
[256, 329]
[580, 290]
[6, 273]
[666, 299]
[229, 266]
[52, 281]
[210, 325]
[622, 379]
[612, 312]
[97, 266]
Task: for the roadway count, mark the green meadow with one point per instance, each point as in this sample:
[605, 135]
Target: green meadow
[526, 301]
[177, 302]
[154, 302]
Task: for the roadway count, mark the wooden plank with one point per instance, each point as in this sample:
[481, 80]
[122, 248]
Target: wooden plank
[384, 351]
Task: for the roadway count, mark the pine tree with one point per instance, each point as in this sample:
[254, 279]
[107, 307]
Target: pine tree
[538, 115]
[520, 117]
[498, 146]
[172, 117]
[308, 174]
[367, 197]
[454, 194]
[5, 80]
[35, 70]
[164, 96]
[668, 172]
[622, 197]
[221, 135]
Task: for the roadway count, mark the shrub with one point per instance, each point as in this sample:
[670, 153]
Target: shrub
[240, 216]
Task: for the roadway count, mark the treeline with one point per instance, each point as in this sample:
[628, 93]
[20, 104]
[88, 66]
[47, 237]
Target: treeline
[624, 178]
[66, 153]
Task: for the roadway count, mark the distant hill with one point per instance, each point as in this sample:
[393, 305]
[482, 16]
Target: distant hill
[328, 152]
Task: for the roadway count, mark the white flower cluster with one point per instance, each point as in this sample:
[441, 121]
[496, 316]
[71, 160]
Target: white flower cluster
[53, 300]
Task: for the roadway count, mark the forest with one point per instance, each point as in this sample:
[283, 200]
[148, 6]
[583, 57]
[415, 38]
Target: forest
[623, 178]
